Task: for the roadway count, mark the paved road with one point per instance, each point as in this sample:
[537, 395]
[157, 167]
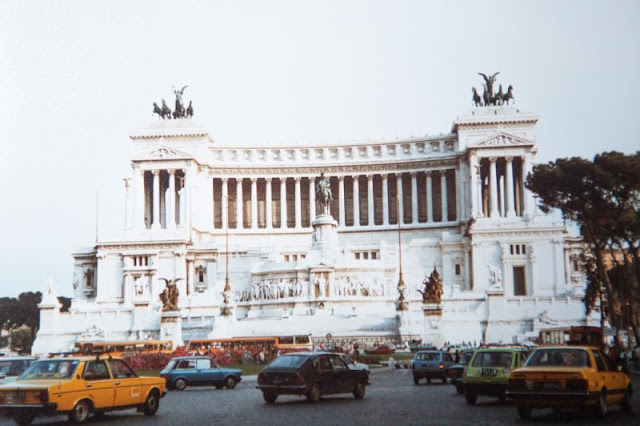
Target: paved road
[392, 398]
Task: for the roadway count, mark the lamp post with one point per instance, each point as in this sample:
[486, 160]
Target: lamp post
[401, 305]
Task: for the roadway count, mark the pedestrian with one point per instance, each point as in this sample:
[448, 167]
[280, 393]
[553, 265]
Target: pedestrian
[261, 356]
[356, 351]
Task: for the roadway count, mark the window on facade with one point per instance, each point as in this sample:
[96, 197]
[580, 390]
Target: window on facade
[519, 284]
[457, 269]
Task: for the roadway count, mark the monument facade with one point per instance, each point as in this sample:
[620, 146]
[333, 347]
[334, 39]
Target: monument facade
[312, 239]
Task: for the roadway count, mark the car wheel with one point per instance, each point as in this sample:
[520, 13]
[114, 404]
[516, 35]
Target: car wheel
[459, 389]
[24, 417]
[471, 398]
[626, 405]
[428, 379]
[269, 397]
[416, 380]
[359, 390]
[80, 413]
[230, 382]
[151, 404]
[314, 394]
[524, 411]
[180, 384]
[601, 406]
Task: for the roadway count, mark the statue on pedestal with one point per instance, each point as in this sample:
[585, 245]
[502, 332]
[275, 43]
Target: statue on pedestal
[323, 193]
[433, 288]
[169, 295]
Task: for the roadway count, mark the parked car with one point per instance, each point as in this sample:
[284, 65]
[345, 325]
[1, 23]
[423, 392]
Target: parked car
[186, 371]
[421, 347]
[12, 366]
[356, 365]
[560, 377]
[78, 387]
[310, 374]
[488, 371]
[380, 350]
[431, 364]
[456, 370]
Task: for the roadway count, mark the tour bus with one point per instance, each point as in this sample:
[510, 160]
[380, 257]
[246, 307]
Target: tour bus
[269, 343]
[117, 348]
[575, 335]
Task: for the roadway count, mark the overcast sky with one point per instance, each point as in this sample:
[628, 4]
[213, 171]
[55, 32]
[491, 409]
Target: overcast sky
[76, 77]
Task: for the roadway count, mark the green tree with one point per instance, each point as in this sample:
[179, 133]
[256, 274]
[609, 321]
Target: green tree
[603, 197]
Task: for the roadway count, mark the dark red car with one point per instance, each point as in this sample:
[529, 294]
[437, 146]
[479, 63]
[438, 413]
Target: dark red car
[380, 350]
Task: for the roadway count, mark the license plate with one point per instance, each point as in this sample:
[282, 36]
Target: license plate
[551, 386]
[489, 372]
[277, 380]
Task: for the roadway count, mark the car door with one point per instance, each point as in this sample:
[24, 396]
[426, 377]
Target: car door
[98, 383]
[127, 385]
[344, 377]
[187, 368]
[205, 373]
[616, 382]
[326, 374]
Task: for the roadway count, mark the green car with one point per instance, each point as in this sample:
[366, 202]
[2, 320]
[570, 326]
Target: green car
[488, 371]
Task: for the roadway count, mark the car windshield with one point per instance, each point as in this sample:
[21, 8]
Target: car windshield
[288, 361]
[428, 356]
[492, 359]
[346, 359]
[171, 364]
[558, 358]
[465, 358]
[50, 369]
[13, 367]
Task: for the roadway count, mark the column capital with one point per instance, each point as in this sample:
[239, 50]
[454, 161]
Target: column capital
[509, 159]
[253, 179]
[268, 179]
[428, 173]
[384, 175]
[340, 178]
[296, 179]
[493, 159]
[224, 179]
[155, 172]
[369, 176]
[171, 171]
[312, 178]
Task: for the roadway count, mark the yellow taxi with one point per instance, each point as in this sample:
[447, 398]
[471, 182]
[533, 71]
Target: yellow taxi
[79, 387]
[560, 377]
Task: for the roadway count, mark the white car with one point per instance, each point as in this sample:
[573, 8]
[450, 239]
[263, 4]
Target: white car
[12, 366]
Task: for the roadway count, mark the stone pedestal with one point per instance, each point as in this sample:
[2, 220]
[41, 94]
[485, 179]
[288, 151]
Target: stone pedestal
[432, 324]
[171, 327]
[497, 323]
[223, 327]
[324, 241]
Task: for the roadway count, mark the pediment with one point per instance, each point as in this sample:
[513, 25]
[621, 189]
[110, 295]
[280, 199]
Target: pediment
[163, 152]
[501, 139]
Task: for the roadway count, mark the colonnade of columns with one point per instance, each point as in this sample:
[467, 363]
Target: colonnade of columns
[158, 198]
[358, 201]
[497, 187]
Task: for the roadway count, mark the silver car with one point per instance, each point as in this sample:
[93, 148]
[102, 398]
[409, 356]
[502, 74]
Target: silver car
[12, 366]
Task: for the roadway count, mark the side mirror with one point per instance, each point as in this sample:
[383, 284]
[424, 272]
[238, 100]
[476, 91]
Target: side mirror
[619, 368]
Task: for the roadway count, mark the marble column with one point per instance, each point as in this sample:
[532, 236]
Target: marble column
[254, 203]
[171, 201]
[224, 198]
[429, 198]
[443, 195]
[385, 200]
[400, 198]
[510, 206]
[312, 199]
[127, 185]
[138, 198]
[239, 202]
[268, 206]
[341, 208]
[283, 203]
[370, 201]
[526, 195]
[479, 199]
[156, 199]
[356, 201]
[298, 203]
[493, 187]
[414, 197]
